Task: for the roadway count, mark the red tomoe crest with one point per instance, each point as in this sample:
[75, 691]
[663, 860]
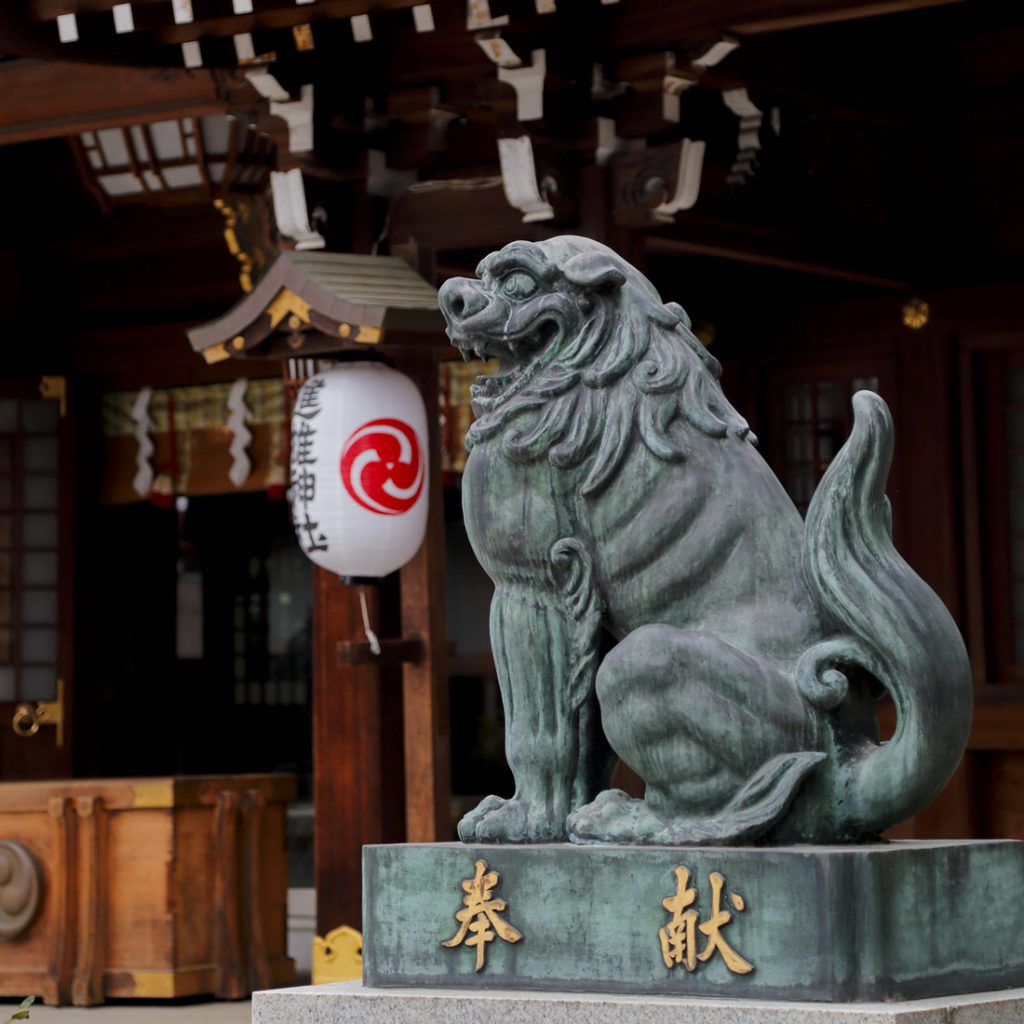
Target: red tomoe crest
[381, 467]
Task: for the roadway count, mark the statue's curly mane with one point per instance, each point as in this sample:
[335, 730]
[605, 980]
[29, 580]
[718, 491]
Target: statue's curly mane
[631, 346]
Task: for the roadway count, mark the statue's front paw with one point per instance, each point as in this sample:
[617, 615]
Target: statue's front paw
[508, 821]
[470, 821]
[612, 817]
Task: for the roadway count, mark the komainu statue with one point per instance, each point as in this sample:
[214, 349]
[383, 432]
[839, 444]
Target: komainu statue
[658, 597]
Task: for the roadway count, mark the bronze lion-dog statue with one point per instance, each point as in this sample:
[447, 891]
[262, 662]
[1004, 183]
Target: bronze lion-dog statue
[658, 597]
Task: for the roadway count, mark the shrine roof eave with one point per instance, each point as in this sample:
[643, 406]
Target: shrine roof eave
[351, 298]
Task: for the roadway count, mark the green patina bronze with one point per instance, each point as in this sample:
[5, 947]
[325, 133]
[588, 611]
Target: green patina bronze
[853, 923]
[658, 597]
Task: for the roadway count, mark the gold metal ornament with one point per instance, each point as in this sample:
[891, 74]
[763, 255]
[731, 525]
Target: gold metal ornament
[216, 353]
[916, 313]
[303, 36]
[286, 302]
[338, 957]
[363, 333]
[55, 388]
[231, 214]
[368, 335]
[29, 717]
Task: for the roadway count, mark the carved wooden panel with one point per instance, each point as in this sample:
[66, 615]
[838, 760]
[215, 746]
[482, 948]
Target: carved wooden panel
[145, 888]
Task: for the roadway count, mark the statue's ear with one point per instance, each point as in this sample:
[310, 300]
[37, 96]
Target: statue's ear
[593, 270]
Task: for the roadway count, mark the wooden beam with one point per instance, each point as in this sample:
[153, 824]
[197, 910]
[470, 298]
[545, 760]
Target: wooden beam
[21, 36]
[114, 359]
[287, 15]
[392, 652]
[347, 754]
[782, 17]
[271, 13]
[460, 218]
[45, 100]
[645, 23]
[747, 16]
[739, 253]
[425, 682]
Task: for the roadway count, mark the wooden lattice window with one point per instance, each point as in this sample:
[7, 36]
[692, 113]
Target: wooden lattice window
[244, 600]
[816, 418]
[29, 543]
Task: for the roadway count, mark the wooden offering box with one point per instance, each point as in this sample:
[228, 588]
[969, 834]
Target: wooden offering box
[144, 888]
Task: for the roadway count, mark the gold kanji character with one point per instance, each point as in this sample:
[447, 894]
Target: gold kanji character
[679, 937]
[481, 914]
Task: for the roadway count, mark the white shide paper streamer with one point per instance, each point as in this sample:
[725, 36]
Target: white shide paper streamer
[142, 482]
[241, 465]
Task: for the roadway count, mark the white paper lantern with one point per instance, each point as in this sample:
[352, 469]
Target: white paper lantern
[359, 469]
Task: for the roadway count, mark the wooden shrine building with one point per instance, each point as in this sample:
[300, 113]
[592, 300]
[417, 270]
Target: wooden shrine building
[204, 199]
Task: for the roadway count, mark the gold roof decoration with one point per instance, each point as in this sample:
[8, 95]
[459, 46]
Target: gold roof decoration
[319, 302]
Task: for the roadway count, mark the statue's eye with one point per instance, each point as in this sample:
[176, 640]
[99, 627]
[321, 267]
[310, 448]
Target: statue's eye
[518, 285]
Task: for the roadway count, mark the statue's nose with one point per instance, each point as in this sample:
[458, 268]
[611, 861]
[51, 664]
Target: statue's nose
[460, 298]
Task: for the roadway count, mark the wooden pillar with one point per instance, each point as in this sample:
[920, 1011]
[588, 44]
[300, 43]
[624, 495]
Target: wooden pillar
[357, 768]
[359, 755]
[347, 755]
[425, 681]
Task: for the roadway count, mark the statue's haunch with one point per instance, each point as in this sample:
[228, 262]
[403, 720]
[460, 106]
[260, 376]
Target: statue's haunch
[659, 599]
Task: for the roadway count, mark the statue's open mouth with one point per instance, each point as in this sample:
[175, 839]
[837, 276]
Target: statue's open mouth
[516, 354]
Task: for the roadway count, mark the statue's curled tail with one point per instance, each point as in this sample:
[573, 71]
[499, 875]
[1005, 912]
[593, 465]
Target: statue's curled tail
[893, 631]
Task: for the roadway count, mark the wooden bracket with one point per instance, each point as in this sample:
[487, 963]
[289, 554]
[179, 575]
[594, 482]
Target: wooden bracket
[392, 652]
[654, 184]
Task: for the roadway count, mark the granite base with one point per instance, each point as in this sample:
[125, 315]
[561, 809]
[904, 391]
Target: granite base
[350, 1002]
[839, 924]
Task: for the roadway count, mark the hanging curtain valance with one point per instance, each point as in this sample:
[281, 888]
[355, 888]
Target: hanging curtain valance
[190, 435]
[201, 407]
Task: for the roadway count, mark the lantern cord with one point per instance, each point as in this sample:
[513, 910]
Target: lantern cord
[370, 635]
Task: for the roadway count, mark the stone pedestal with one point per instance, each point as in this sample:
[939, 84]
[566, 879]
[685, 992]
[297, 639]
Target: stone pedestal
[900, 933]
[841, 924]
[350, 1002]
